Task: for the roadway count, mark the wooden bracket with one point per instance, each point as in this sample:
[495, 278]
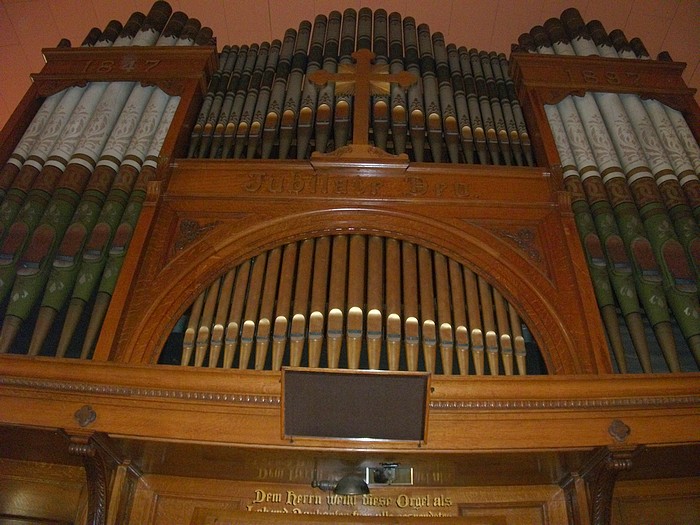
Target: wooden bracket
[601, 473]
[102, 463]
[84, 446]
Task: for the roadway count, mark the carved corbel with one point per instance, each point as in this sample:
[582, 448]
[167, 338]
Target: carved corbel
[601, 474]
[85, 447]
[111, 479]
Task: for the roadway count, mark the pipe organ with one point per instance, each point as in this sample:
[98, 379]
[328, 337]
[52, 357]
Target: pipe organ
[181, 226]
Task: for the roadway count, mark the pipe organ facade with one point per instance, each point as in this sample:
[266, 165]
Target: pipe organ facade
[182, 228]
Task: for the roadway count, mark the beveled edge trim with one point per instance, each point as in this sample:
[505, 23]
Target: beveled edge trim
[275, 400]
[563, 404]
[162, 393]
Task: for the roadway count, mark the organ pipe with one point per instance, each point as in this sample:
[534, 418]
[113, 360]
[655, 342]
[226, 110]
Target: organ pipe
[372, 302]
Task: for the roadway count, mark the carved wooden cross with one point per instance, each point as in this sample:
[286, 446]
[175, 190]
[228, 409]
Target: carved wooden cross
[367, 79]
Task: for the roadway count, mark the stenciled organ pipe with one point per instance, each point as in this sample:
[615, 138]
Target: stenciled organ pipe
[39, 191]
[70, 110]
[48, 122]
[261, 103]
[635, 192]
[354, 301]
[64, 207]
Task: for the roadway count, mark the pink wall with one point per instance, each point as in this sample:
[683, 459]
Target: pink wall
[28, 25]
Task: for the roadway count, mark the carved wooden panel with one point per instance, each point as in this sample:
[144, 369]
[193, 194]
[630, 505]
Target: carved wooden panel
[540, 504]
[166, 67]
[508, 227]
[557, 76]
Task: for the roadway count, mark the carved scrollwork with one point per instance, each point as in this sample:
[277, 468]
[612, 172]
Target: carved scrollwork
[189, 231]
[172, 87]
[525, 239]
[556, 95]
[46, 88]
[371, 151]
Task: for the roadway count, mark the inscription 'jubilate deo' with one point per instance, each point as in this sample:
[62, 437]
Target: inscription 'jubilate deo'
[305, 183]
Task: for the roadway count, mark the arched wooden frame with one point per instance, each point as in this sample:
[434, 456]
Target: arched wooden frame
[307, 258]
[541, 301]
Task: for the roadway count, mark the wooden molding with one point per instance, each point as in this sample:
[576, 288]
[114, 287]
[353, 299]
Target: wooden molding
[242, 407]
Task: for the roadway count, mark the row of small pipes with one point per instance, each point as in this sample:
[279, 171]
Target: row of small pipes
[632, 168]
[261, 103]
[354, 301]
[73, 188]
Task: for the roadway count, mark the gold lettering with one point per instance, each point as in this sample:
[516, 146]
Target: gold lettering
[302, 499]
[376, 501]
[270, 497]
[259, 496]
[338, 499]
[442, 501]
[314, 502]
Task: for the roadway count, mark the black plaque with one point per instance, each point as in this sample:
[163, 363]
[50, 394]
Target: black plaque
[354, 404]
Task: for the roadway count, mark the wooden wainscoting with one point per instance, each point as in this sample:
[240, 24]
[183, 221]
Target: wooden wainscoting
[38, 492]
[667, 501]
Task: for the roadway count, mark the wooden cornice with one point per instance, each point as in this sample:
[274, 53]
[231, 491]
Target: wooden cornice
[466, 414]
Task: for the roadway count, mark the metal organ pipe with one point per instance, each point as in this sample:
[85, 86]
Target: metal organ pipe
[439, 118]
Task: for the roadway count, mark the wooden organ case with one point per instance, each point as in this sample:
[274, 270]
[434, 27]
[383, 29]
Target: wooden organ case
[126, 437]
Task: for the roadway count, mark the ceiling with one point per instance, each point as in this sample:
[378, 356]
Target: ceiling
[26, 26]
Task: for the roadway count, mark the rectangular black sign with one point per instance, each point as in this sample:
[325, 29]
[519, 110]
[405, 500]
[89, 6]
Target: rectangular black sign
[354, 404]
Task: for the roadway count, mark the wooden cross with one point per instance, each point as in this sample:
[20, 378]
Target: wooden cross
[365, 79]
